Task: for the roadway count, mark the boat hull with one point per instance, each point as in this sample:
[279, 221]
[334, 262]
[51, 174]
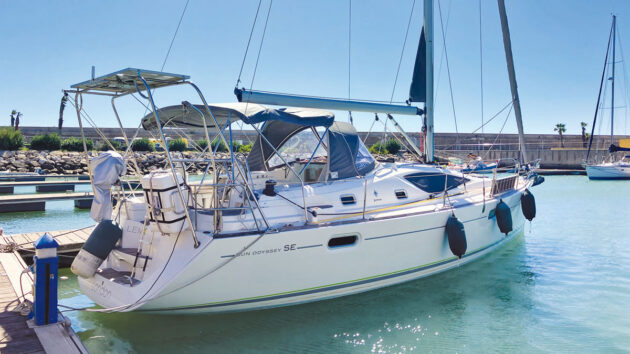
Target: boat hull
[293, 267]
[608, 172]
[271, 299]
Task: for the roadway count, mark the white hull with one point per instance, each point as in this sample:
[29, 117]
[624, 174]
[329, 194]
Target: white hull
[297, 266]
[608, 171]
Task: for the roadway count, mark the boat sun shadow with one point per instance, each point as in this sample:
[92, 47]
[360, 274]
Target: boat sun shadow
[496, 286]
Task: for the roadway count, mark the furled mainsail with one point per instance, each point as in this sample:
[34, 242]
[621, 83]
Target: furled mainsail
[418, 89]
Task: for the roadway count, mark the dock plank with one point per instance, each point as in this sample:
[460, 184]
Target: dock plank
[85, 233]
[30, 237]
[76, 236]
[65, 242]
[42, 183]
[70, 241]
[37, 201]
[18, 239]
[17, 337]
[43, 197]
[27, 342]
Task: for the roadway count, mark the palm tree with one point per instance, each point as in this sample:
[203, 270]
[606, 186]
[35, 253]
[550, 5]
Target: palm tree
[584, 137]
[560, 128]
[13, 113]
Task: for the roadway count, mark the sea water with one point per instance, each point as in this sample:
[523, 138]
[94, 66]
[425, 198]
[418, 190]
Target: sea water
[562, 287]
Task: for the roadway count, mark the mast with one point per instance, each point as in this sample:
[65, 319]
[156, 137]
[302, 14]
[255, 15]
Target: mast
[507, 44]
[599, 94]
[428, 106]
[612, 99]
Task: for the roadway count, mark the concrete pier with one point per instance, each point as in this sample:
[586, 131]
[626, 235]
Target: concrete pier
[54, 187]
[37, 202]
[41, 186]
[23, 206]
[6, 189]
[83, 203]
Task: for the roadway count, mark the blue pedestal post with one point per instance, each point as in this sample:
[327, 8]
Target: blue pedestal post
[46, 265]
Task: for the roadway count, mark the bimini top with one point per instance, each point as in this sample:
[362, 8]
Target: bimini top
[185, 115]
[128, 80]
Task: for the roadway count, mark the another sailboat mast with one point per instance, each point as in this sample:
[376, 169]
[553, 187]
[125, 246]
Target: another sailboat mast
[599, 94]
[428, 108]
[612, 99]
[510, 65]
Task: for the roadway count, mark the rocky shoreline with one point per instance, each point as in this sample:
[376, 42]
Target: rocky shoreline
[73, 163]
[53, 163]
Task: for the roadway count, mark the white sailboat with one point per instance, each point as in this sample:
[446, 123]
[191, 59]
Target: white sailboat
[308, 215]
[609, 169]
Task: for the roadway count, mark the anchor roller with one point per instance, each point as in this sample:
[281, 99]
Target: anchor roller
[456, 236]
[504, 217]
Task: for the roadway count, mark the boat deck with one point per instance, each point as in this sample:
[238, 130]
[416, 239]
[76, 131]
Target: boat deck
[41, 197]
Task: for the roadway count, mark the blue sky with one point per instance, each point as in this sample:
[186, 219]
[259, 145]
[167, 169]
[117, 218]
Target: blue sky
[558, 51]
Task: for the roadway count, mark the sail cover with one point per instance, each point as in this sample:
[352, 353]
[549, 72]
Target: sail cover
[250, 113]
[624, 145]
[614, 148]
[418, 89]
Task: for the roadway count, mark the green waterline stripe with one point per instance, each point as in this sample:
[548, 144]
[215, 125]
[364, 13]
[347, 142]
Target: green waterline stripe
[407, 270]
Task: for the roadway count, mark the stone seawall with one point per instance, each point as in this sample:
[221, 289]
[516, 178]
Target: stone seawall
[443, 141]
[563, 159]
[73, 163]
[68, 163]
[547, 147]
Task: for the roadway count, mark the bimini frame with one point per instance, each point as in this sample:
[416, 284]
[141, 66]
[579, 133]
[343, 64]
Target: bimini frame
[131, 80]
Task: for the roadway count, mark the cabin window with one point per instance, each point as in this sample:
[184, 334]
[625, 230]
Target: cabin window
[401, 193]
[435, 182]
[342, 241]
[348, 199]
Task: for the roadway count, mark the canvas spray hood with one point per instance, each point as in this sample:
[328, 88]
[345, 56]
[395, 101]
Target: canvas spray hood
[185, 115]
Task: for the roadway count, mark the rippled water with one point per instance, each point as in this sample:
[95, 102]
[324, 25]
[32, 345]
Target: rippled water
[563, 287]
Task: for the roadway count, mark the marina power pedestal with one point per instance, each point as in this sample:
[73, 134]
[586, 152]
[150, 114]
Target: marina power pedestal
[46, 265]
